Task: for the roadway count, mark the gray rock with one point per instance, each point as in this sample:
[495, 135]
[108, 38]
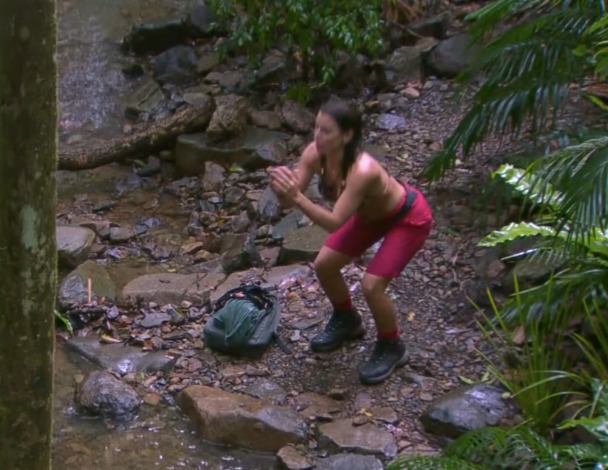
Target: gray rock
[466, 408]
[202, 21]
[253, 149]
[228, 119]
[233, 195]
[267, 119]
[350, 462]
[147, 98]
[433, 27]
[152, 320]
[239, 252]
[171, 288]
[529, 273]
[154, 37]
[272, 70]
[291, 459]
[285, 275]
[390, 122]
[406, 62]
[176, 66]
[103, 394]
[118, 358]
[214, 178]
[121, 234]
[206, 63]
[343, 436]
[290, 222]
[296, 117]
[73, 289]
[269, 208]
[239, 420]
[452, 56]
[73, 245]
[302, 244]
[241, 223]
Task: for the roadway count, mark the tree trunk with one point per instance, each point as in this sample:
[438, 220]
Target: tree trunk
[28, 146]
[143, 141]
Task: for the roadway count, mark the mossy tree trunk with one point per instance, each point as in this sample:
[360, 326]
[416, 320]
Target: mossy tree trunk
[28, 158]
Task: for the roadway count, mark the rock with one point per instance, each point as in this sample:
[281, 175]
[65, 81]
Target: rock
[202, 21]
[154, 37]
[148, 98]
[267, 390]
[452, 56]
[214, 178]
[285, 276]
[350, 462]
[390, 122]
[272, 70]
[291, 459]
[406, 62]
[302, 244]
[290, 222]
[228, 119]
[464, 409]
[434, 27]
[341, 435]
[239, 420]
[118, 358]
[233, 195]
[206, 63]
[267, 119]
[239, 252]
[269, 208]
[529, 273]
[74, 287]
[296, 117]
[121, 234]
[233, 281]
[176, 66]
[241, 223]
[73, 245]
[170, 288]
[103, 394]
[253, 149]
[313, 404]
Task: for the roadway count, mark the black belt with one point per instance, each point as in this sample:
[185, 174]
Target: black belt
[410, 197]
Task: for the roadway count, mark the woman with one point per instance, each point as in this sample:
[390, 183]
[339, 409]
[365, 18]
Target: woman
[369, 205]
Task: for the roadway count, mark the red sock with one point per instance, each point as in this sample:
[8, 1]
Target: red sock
[389, 334]
[345, 306]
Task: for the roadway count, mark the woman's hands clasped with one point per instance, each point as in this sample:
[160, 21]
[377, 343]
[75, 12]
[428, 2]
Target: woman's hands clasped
[285, 184]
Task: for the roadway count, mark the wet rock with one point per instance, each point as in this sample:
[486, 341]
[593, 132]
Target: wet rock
[267, 119]
[171, 288]
[390, 122]
[341, 435]
[240, 420]
[302, 244]
[406, 62]
[253, 149]
[228, 119]
[267, 390]
[103, 394]
[239, 252]
[464, 409]
[176, 66]
[73, 289]
[296, 117]
[118, 358]
[73, 245]
[452, 56]
[350, 462]
[291, 459]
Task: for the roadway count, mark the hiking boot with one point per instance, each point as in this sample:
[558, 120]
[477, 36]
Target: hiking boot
[387, 355]
[341, 327]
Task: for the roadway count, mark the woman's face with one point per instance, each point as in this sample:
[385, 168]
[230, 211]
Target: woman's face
[328, 136]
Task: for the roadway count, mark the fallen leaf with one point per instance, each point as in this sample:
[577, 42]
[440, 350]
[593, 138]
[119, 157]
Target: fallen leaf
[411, 316]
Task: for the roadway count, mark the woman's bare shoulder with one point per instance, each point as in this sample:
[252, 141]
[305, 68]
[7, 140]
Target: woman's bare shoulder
[310, 156]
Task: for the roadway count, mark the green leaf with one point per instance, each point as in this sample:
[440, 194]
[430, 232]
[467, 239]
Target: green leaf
[514, 231]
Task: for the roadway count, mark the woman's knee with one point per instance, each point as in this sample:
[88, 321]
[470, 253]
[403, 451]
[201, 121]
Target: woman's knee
[329, 262]
[372, 286]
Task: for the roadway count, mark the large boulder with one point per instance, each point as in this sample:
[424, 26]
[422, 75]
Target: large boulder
[176, 66]
[240, 420]
[452, 56]
[73, 245]
[74, 288]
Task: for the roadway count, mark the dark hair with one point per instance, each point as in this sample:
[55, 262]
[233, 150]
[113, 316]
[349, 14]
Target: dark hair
[348, 117]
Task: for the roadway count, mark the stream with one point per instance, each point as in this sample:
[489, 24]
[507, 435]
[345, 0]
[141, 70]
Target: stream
[90, 86]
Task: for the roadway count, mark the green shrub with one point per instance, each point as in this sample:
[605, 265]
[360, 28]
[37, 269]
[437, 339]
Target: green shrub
[315, 30]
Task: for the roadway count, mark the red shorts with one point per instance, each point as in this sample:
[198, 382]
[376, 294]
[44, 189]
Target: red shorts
[403, 237]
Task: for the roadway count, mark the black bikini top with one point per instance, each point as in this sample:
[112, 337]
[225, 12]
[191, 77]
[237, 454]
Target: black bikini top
[328, 191]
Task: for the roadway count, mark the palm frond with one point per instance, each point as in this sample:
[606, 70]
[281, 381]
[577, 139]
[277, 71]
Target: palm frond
[419, 462]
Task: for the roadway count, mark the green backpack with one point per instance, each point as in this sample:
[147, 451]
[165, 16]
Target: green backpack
[244, 322]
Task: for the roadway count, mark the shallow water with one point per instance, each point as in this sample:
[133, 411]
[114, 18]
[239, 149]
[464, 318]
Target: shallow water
[90, 86]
